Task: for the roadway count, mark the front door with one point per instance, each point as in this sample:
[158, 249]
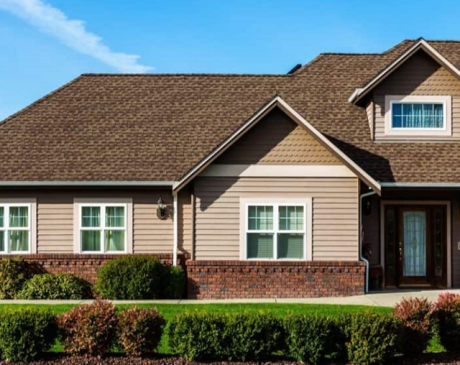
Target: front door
[415, 246]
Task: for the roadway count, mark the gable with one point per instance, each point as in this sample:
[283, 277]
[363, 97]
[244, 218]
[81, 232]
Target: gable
[277, 139]
[420, 75]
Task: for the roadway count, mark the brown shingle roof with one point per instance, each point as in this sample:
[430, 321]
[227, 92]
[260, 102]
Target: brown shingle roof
[157, 127]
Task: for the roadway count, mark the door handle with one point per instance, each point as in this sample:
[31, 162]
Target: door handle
[400, 251]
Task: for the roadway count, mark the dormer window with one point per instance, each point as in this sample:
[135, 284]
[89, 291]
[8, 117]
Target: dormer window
[410, 115]
[418, 116]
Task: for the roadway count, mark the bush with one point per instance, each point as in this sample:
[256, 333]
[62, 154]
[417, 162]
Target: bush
[13, 274]
[415, 314]
[89, 329]
[26, 333]
[130, 277]
[140, 330]
[447, 312]
[309, 338]
[173, 282]
[59, 286]
[372, 338]
[234, 337]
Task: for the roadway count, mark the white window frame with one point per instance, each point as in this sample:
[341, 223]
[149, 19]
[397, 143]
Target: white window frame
[31, 205]
[79, 204]
[445, 100]
[307, 203]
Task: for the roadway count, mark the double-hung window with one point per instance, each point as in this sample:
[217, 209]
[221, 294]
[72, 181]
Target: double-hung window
[15, 228]
[103, 228]
[277, 230]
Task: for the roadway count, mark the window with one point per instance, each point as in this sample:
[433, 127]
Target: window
[419, 116]
[103, 228]
[276, 230]
[15, 232]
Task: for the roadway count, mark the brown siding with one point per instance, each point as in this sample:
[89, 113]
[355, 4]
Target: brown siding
[277, 140]
[421, 75]
[335, 213]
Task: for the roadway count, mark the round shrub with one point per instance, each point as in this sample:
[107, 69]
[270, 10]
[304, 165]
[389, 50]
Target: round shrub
[13, 274]
[88, 329]
[372, 338]
[55, 286]
[140, 330]
[217, 336]
[173, 282]
[447, 312]
[309, 338]
[130, 277]
[415, 314]
[26, 333]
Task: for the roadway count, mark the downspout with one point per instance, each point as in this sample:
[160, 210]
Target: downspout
[176, 225]
[361, 257]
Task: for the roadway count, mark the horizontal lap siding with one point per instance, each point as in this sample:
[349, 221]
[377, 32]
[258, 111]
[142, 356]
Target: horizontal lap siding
[55, 224]
[335, 213]
[420, 75]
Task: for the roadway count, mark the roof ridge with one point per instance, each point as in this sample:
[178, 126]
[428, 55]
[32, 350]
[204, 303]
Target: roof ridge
[36, 102]
[182, 74]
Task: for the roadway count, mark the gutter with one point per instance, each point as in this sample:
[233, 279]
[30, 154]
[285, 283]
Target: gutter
[419, 185]
[361, 257]
[85, 183]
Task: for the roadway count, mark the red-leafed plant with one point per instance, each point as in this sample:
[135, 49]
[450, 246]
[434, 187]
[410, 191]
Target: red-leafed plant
[89, 329]
[447, 311]
[415, 314]
[140, 330]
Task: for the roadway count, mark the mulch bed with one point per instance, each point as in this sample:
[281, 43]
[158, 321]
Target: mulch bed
[61, 359]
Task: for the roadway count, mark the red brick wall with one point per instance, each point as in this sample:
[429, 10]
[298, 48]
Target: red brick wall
[83, 266]
[263, 279]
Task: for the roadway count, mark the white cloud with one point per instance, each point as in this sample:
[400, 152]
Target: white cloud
[72, 33]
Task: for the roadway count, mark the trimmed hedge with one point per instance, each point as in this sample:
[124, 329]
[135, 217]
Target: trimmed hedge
[55, 286]
[13, 275]
[89, 329]
[139, 330]
[447, 313]
[26, 333]
[310, 338]
[234, 337]
[139, 277]
[416, 316]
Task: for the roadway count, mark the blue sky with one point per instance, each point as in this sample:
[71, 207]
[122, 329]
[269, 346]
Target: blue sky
[42, 47]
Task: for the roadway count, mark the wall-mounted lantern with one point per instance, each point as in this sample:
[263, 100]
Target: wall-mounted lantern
[161, 209]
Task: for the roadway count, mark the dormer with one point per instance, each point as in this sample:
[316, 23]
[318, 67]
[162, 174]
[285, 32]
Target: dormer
[416, 98]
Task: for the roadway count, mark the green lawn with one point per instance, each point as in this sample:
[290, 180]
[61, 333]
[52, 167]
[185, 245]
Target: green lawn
[170, 310]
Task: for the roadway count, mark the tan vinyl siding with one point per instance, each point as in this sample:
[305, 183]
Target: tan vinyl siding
[277, 139]
[335, 213]
[420, 75]
[55, 224]
[370, 117]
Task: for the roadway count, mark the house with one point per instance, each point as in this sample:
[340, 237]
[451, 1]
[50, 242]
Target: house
[341, 174]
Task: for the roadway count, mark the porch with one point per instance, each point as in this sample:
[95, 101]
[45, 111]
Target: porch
[410, 239]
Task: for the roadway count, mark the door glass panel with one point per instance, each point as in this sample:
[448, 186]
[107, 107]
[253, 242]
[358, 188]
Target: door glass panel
[438, 243]
[414, 243]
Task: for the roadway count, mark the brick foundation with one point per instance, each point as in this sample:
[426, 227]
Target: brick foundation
[262, 279]
[83, 266]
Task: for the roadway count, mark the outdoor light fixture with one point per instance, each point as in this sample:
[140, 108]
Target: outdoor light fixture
[161, 209]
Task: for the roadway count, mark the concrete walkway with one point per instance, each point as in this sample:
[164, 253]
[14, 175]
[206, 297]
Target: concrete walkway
[383, 298]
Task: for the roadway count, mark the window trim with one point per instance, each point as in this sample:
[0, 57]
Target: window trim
[103, 203]
[307, 203]
[31, 204]
[445, 100]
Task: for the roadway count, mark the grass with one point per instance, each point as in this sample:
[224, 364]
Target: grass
[169, 311]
